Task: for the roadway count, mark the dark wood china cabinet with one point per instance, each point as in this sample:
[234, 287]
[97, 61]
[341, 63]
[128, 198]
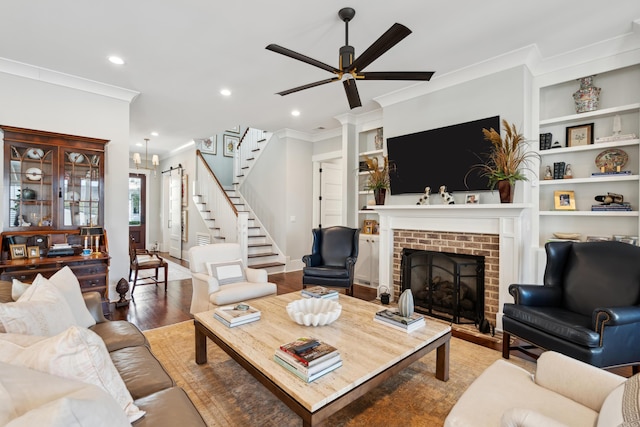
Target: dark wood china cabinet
[53, 205]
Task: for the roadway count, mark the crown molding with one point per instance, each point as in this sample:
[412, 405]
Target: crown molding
[45, 75]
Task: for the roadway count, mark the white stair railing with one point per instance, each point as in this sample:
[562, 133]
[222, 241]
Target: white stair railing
[225, 223]
[247, 152]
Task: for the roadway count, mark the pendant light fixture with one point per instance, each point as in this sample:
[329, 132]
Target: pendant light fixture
[155, 161]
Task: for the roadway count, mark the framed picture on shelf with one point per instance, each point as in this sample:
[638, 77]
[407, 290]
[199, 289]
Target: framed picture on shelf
[580, 135]
[33, 251]
[564, 200]
[472, 199]
[18, 251]
[230, 144]
[209, 145]
[369, 226]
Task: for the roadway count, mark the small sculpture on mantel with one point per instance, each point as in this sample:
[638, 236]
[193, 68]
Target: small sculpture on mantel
[424, 199]
[447, 198]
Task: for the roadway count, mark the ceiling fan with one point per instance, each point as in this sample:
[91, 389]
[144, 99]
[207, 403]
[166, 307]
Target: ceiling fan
[352, 67]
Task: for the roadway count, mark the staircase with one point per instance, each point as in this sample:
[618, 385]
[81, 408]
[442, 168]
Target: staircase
[227, 215]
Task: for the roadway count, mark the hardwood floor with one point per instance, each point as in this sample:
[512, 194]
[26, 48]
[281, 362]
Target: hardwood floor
[152, 308]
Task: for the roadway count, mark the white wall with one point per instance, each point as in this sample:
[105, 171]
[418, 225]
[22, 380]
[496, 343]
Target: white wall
[35, 104]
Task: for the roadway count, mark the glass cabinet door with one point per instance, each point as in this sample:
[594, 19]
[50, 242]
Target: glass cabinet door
[31, 185]
[81, 188]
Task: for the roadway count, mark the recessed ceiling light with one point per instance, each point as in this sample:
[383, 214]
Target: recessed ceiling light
[154, 134]
[116, 60]
[295, 113]
[225, 92]
[138, 144]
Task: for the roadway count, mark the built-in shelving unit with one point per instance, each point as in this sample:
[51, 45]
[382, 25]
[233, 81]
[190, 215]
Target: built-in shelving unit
[620, 92]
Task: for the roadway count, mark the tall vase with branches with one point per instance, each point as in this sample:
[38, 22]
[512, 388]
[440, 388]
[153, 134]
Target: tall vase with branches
[378, 181]
[508, 158]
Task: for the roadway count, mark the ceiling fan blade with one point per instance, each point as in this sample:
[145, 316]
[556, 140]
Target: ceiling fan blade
[390, 38]
[397, 75]
[352, 93]
[308, 86]
[300, 57]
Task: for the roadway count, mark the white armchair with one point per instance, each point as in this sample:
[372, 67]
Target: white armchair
[220, 278]
[563, 392]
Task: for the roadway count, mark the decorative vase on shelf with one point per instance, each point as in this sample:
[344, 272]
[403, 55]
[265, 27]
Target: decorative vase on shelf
[587, 98]
[505, 189]
[378, 139]
[379, 194]
[405, 303]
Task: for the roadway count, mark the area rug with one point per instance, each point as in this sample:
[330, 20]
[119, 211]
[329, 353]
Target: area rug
[226, 395]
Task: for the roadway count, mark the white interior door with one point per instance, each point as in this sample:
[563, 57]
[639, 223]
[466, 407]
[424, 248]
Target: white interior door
[175, 211]
[331, 194]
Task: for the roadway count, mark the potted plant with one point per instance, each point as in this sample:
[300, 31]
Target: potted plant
[378, 178]
[504, 164]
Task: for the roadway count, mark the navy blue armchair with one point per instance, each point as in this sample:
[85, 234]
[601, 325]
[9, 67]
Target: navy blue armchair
[333, 257]
[588, 307]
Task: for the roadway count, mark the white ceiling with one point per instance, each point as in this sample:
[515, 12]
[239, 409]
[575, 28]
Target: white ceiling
[179, 54]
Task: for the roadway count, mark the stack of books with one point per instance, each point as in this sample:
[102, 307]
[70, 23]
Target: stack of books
[236, 315]
[308, 358]
[393, 319]
[545, 141]
[612, 207]
[611, 173]
[319, 292]
[558, 170]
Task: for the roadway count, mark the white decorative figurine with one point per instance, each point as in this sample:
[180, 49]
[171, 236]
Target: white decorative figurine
[447, 198]
[424, 199]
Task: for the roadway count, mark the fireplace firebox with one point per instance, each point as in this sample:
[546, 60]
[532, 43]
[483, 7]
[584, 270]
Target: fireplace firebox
[445, 285]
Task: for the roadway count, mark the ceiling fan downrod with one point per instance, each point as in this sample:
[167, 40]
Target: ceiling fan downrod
[347, 52]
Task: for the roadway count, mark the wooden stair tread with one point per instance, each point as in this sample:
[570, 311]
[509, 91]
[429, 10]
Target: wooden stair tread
[267, 265]
[258, 245]
[261, 255]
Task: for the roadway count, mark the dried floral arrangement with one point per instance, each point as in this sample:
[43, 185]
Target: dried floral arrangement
[378, 176]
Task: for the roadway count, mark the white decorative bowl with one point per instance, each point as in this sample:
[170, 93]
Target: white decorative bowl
[314, 311]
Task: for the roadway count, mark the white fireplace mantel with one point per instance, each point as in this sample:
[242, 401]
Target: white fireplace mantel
[510, 221]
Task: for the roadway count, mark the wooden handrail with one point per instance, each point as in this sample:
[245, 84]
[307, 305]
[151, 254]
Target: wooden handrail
[242, 138]
[206, 165]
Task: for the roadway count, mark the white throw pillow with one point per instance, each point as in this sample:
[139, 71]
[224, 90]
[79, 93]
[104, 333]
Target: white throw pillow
[77, 353]
[37, 399]
[18, 288]
[227, 272]
[41, 310]
[67, 283]
[618, 408]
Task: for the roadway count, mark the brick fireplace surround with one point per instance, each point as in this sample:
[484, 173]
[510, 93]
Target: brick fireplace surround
[498, 232]
[486, 245]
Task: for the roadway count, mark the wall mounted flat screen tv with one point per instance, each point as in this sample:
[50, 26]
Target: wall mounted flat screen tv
[442, 156]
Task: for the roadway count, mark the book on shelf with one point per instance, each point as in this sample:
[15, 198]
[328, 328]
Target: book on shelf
[319, 292]
[302, 376]
[309, 351]
[558, 170]
[545, 140]
[304, 369]
[615, 138]
[612, 207]
[237, 313]
[234, 324]
[612, 173]
[393, 319]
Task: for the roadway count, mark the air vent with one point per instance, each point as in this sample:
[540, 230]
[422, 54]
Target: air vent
[203, 239]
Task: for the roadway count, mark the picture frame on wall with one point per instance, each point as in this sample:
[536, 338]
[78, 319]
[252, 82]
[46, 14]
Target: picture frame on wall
[208, 145]
[230, 144]
[18, 251]
[185, 190]
[184, 230]
[564, 200]
[234, 129]
[580, 135]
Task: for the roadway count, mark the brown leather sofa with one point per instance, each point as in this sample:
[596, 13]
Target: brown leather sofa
[151, 387]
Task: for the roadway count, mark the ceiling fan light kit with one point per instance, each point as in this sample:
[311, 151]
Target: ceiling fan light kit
[351, 68]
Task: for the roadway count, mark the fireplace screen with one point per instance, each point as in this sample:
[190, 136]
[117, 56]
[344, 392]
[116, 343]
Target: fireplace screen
[445, 285]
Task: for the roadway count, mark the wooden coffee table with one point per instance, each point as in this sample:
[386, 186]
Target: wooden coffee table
[371, 352]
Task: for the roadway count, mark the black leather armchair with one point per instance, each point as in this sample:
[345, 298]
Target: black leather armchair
[588, 307]
[333, 257]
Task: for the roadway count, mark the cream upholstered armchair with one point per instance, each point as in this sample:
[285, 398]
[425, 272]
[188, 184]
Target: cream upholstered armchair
[220, 278]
